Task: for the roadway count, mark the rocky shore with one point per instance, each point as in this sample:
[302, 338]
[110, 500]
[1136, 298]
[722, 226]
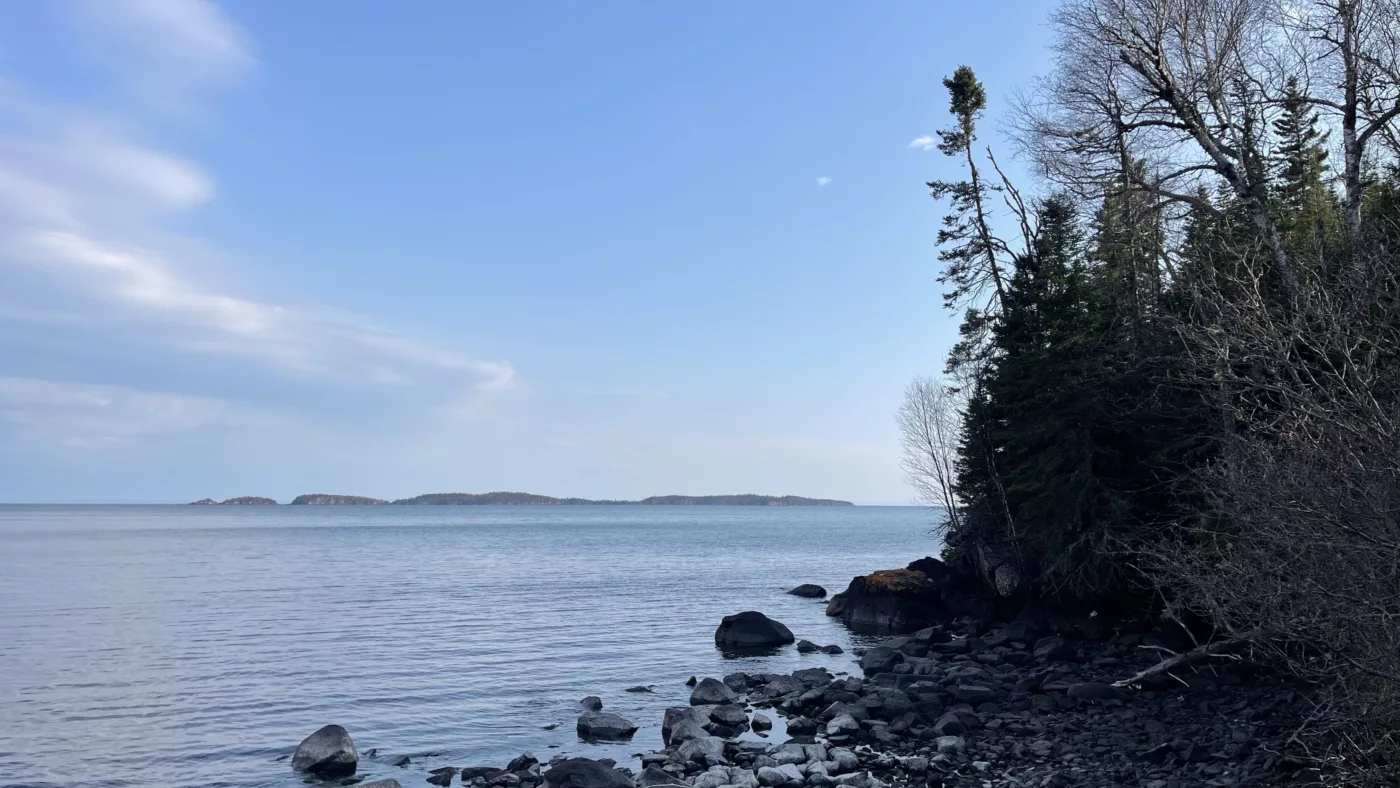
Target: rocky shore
[1032, 701]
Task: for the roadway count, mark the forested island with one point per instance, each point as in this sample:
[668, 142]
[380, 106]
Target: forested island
[530, 499]
[246, 500]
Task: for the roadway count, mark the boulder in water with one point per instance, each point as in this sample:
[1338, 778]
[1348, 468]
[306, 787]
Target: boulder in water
[381, 784]
[603, 726]
[809, 591]
[925, 593]
[329, 752]
[712, 691]
[751, 630]
[591, 703]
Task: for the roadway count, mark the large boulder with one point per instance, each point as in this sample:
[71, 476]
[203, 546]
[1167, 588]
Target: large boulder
[585, 773]
[328, 752]
[712, 691]
[925, 593]
[683, 722]
[751, 630]
[809, 591]
[604, 726]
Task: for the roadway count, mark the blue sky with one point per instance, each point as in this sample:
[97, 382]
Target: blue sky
[577, 248]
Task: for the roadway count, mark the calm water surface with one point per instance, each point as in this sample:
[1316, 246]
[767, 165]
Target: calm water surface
[194, 646]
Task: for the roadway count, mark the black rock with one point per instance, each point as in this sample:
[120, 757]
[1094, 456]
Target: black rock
[522, 762]
[487, 773]
[654, 776]
[731, 715]
[585, 773]
[638, 688]
[603, 726]
[442, 776]
[801, 726]
[690, 682]
[592, 703]
[807, 647]
[809, 591]
[1093, 690]
[751, 630]
[833, 649]
[711, 691]
[762, 723]
[329, 752]
[402, 761]
[880, 659]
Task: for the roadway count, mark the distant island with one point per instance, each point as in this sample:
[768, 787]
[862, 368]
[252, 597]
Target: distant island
[246, 500]
[529, 499]
[320, 499]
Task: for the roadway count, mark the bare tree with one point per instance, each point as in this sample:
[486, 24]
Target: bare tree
[930, 423]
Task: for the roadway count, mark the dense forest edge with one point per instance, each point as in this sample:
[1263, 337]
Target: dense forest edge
[1177, 386]
[529, 499]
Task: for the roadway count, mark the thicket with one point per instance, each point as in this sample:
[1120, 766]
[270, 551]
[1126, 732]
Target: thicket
[1178, 380]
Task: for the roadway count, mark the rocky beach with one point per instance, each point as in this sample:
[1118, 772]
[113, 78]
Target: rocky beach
[1031, 700]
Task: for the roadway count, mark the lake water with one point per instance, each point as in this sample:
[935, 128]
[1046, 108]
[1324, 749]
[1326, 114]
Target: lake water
[194, 646]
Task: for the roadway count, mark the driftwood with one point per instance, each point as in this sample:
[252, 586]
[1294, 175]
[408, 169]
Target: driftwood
[1175, 661]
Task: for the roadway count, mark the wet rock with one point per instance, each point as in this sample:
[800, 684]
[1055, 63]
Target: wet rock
[807, 647]
[654, 776]
[690, 682]
[487, 773]
[389, 783]
[712, 691]
[739, 682]
[730, 714]
[809, 591]
[761, 723]
[638, 688]
[681, 723]
[880, 659]
[442, 776]
[751, 630]
[591, 703]
[707, 751]
[522, 762]
[401, 761]
[801, 726]
[842, 725]
[833, 649]
[585, 773]
[948, 745]
[926, 592]
[329, 752]
[772, 776]
[603, 726]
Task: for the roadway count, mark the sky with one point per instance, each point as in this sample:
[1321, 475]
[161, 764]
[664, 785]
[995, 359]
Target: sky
[599, 249]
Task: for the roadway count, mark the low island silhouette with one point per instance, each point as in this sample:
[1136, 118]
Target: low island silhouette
[530, 499]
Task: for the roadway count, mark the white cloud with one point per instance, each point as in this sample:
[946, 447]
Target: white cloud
[49, 414]
[924, 143]
[823, 180]
[83, 206]
[165, 49]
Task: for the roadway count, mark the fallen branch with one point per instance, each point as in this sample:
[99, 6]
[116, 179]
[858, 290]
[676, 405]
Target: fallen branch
[1187, 657]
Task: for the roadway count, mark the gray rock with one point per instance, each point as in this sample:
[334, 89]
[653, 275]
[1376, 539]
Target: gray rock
[807, 647]
[844, 760]
[585, 773]
[390, 783]
[949, 725]
[1055, 649]
[712, 691]
[974, 694]
[654, 776]
[880, 659]
[638, 688]
[708, 751]
[809, 591]
[591, 703]
[801, 726]
[604, 726]
[833, 649]
[751, 630]
[329, 752]
[779, 775]
[684, 722]
[730, 714]
[842, 724]
[761, 723]
[401, 761]
[949, 745]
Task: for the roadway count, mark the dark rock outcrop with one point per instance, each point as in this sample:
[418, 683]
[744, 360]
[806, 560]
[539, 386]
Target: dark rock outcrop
[329, 752]
[751, 630]
[809, 591]
[604, 726]
[925, 593]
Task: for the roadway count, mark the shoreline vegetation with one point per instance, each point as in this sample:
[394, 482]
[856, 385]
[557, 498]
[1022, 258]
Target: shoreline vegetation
[530, 499]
